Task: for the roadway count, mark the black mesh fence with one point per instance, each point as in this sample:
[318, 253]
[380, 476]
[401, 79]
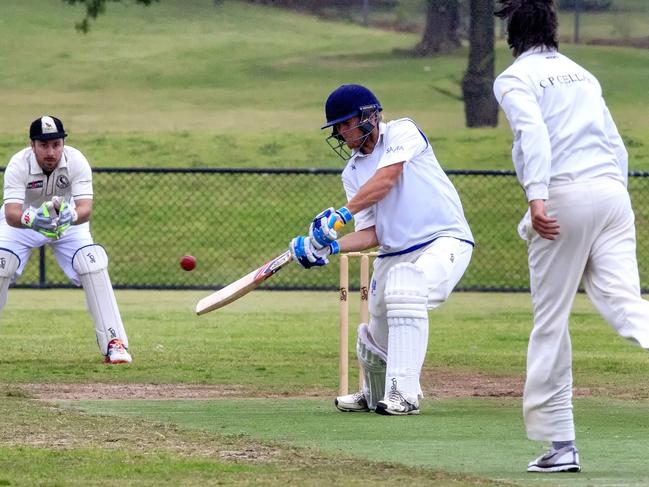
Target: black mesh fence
[232, 221]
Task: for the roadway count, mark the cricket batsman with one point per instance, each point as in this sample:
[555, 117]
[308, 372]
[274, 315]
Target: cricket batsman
[48, 201]
[400, 200]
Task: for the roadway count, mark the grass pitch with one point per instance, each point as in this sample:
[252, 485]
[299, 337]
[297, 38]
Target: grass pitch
[268, 367]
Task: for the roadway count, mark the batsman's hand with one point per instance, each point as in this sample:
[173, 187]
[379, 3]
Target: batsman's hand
[307, 255]
[43, 220]
[67, 217]
[323, 228]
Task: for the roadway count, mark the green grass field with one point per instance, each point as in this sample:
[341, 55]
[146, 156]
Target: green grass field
[243, 396]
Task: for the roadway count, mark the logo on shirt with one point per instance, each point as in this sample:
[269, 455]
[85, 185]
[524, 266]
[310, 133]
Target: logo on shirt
[394, 149]
[62, 182]
[562, 79]
[35, 184]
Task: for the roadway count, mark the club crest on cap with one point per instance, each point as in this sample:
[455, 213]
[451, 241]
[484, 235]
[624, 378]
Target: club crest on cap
[47, 127]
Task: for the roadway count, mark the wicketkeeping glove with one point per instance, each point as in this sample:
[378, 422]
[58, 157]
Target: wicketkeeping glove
[304, 252]
[42, 220]
[322, 229]
[67, 216]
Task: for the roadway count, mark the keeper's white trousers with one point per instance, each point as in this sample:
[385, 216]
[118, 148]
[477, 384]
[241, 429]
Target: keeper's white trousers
[21, 241]
[597, 247]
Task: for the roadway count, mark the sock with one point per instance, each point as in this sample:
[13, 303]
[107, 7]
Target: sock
[558, 445]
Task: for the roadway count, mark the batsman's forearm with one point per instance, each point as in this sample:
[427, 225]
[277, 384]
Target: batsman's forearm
[376, 188]
[358, 241]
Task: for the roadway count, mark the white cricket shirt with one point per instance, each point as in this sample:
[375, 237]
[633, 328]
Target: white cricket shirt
[25, 182]
[563, 131]
[423, 204]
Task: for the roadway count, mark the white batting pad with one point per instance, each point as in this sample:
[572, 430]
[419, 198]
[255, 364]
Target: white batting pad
[405, 297]
[373, 360]
[91, 263]
[9, 263]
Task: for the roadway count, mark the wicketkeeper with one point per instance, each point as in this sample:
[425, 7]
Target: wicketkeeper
[400, 200]
[48, 201]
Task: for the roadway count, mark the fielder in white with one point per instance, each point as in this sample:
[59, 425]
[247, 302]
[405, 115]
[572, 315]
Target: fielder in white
[401, 201]
[48, 201]
[573, 166]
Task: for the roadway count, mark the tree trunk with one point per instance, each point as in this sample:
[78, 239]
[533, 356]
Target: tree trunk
[441, 32]
[480, 106]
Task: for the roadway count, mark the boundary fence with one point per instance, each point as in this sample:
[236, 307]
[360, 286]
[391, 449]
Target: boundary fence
[233, 220]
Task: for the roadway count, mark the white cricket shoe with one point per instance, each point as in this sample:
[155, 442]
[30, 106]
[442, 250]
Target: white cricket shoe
[564, 459]
[396, 405]
[352, 403]
[117, 353]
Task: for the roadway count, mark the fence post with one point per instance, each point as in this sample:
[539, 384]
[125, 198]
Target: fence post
[42, 281]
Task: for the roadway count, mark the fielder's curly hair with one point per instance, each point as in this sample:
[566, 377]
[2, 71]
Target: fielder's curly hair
[530, 23]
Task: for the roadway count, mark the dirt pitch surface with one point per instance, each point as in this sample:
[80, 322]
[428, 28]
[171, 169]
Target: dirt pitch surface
[436, 384]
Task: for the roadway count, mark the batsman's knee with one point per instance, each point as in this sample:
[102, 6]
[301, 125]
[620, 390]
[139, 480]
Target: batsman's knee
[406, 292]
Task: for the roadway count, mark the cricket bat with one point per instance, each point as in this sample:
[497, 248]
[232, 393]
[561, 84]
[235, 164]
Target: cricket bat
[247, 283]
[243, 286]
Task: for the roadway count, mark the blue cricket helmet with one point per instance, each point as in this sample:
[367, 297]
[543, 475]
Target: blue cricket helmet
[347, 101]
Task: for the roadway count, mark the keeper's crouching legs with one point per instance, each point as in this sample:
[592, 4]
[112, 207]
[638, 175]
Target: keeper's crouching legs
[9, 263]
[91, 264]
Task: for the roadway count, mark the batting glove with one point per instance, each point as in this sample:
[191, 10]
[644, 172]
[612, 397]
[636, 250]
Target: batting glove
[322, 230]
[305, 253]
[42, 220]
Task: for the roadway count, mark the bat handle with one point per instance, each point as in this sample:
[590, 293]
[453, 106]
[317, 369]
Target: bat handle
[56, 202]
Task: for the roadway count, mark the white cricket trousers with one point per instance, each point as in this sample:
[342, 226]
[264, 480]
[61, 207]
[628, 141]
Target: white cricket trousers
[597, 247]
[21, 241]
[443, 263]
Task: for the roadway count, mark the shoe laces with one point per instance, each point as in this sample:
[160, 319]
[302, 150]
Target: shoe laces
[358, 396]
[116, 346]
[395, 396]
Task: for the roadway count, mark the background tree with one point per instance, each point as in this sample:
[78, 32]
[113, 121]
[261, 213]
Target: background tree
[441, 33]
[96, 7]
[480, 105]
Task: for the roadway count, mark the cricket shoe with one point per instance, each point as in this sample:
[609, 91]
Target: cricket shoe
[396, 405]
[117, 353]
[564, 459]
[352, 403]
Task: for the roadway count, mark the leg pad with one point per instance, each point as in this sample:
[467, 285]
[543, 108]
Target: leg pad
[91, 263]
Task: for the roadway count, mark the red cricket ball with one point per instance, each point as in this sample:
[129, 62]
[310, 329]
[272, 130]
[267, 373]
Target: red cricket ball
[188, 262]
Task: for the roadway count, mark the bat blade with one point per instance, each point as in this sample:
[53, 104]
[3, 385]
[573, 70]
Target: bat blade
[242, 286]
